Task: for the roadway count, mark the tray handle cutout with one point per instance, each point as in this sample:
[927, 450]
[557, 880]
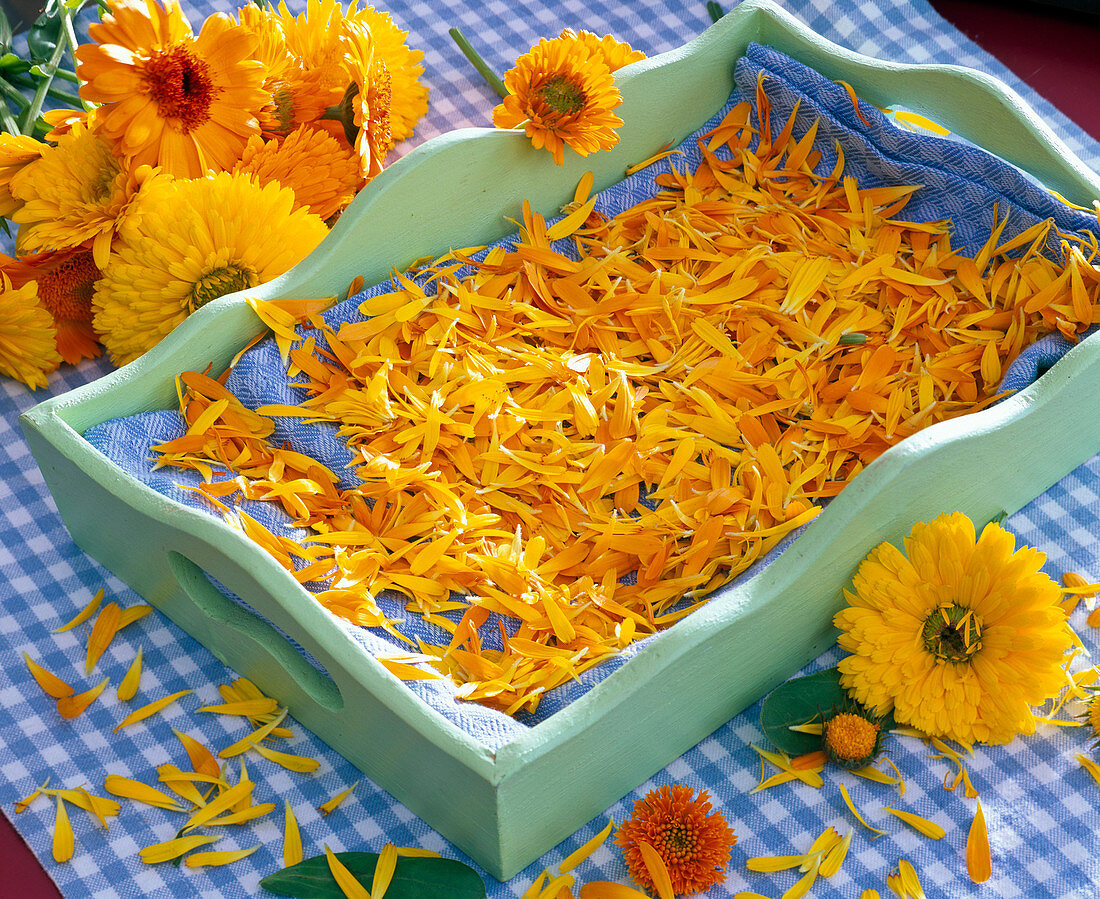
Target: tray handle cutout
[314, 683]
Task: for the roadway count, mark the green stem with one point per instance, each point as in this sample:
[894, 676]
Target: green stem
[73, 43]
[12, 94]
[55, 92]
[66, 75]
[715, 10]
[30, 117]
[7, 120]
[478, 63]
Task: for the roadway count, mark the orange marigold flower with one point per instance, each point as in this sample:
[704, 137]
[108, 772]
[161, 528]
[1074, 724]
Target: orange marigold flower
[693, 842]
[28, 349]
[368, 96]
[322, 172]
[66, 281]
[170, 99]
[409, 96]
[562, 93]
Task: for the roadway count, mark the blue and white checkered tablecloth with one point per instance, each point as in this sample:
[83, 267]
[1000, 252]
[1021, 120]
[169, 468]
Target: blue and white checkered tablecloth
[1043, 809]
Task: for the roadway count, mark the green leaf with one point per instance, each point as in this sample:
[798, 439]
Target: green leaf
[799, 701]
[9, 62]
[5, 32]
[413, 878]
[44, 34]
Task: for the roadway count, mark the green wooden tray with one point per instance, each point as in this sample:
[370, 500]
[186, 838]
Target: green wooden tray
[506, 808]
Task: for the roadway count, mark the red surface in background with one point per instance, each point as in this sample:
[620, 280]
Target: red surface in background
[1052, 49]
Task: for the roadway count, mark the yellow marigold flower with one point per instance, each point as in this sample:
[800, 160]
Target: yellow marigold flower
[170, 99]
[322, 172]
[562, 94]
[409, 96]
[77, 192]
[960, 638]
[17, 151]
[693, 842]
[28, 344]
[192, 242]
[65, 284]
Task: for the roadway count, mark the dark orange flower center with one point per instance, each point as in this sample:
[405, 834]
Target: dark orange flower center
[66, 291]
[182, 86]
[562, 95]
[676, 842]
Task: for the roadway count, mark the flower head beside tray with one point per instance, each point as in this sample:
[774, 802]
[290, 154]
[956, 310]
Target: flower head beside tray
[193, 166]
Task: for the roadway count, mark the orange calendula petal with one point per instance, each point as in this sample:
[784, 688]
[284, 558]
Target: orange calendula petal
[852, 808]
[214, 808]
[84, 614]
[383, 871]
[327, 807]
[21, 805]
[832, 860]
[128, 688]
[103, 632]
[347, 881]
[979, 863]
[291, 762]
[147, 711]
[133, 613]
[127, 788]
[50, 683]
[211, 859]
[99, 806]
[292, 839]
[921, 825]
[658, 871]
[64, 843]
[202, 761]
[909, 879]
[606, 889]
[173, 849]
[248, 708]
[582, 852]
[73, 706]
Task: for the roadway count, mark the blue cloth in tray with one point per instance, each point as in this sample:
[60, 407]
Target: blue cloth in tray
[959, 182]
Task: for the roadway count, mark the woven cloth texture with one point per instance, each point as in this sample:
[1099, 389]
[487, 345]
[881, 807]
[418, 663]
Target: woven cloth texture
[1042, 807]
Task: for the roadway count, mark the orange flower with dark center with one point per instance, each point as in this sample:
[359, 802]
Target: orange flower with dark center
[693, 842]
[66, 281]
[187, 104]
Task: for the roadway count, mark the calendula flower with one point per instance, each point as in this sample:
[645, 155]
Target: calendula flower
[368, 100]
[17, 151]
[295, 95]
[693, 842]
[170, 99]
[77, 192]
[563, 94]
[322, 172]
[960, 638]
[28, 338]
[65, 283]
[851, 738]
[408, 94]
[190, 242]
